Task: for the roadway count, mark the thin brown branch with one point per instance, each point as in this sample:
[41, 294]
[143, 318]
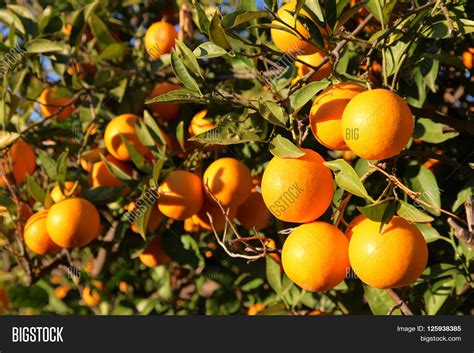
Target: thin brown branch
[398, 301]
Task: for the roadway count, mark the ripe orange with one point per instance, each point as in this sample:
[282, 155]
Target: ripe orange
[180, 195]
[36, 236]
[91, 296]
[468, 58]
[314, 256]
[326, 114]
[167, 111]
[159, 39]
[314, 60]
[124, 287]
[101, 176]
[90, 157]
[254, 309]
[253, 213]
[391, 259]
[297, 189]
[191, 224]
[270, 243]
[317, 312]
[61, 292]
[50, 103]
[154, 254]
[292, 43]
[229, 180]
[123, 125]
[218, 218]
[377, 124]
[73, 223]
[57, 194]
[153, 222]
[200, 124]
[22, 160]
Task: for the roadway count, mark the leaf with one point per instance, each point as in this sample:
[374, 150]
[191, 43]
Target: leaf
[272, 112]
[102, 195]
[35, 190]
[203, 21]
[284, 148]
[380, 211]
[413, 214]
[330, 10]
[41, 46]
[9, 18]
[429, 233]
[429, 131]
[182, 249]
[112, 52]
[100, 31]
[7, 138]
[182, 72]
[466, 191]
[118, 92]
[48, 164]
[140, 162]
[209, 50]
[240, 17]
[302, 96]
[422, 180]
[157, 167]
[151, 123]
[347, 178]
[27, 296]
[437, 294]
[142, 221]
[116, 171]
[315, 8]
[217, 34]
[273, 273]
[176, 96]
[347, 15]
[276, 309]
[188, 57]
[226, 134]
[61, 166]
[180, 135]
[379, 301]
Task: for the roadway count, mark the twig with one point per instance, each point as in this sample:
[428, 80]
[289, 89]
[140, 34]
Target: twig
[463, 234]
[403, 306]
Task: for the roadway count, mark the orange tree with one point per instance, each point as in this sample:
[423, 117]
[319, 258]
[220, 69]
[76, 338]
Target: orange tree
[236, 157]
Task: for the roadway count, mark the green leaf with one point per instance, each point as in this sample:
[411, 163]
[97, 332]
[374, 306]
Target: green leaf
[412, 214]
[284, 148]
[422, 180]
[35, 190]
[217, 33]
[273, 273]
[437, 294]
[118, 92]
[302, 96]
[226, 134]
[48, 164]
[272, 112]
[61, 165]
[209, 50]
[203, 21]
[183, 249]
[188, 57]
[140, 162]
[466, 191]
[9, 18]
[347, 15]
[240, 17]
[379, 301]
[27, 296]
[315, 8]
[102, 195]
[142, 221]
[330, 10]
[347, 178]
[157, 167]
[155, 129]
[429, 131]
[176, 96]
[429, 233]
[41, 46]
[180, 135]
[182, 73]
[100, 31]
[112, 52]
[276, 309]
[380, 211]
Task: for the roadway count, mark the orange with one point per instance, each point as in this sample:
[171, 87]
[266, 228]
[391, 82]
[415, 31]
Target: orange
[50, 103]
[123, 125]
[270, 243]
[292, 43]
[229, 180]
[159, 39]
[191, 224]
[91, 295]
[200, 124]
[377, 124]
[218, 218]
[314, 60]
[180, 195]
[153, 222]
[317, 312]
[314, 256]
[61, 292]
[73, 223]
[57, 194]
[254, 309]
[468, 58]
[154, 254]
[90, 157]
[101, 176]
[394, 258]
[22, 160]
[82, 70]
[124, 287]
[167, 111]
[326, 113]
[297, 189]
[253, 213]
[36, 236]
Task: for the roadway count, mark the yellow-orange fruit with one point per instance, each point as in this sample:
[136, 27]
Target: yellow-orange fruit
[123, 125]
[153, 222]
[22, 160]
[36, 236]
[377, 124]
[57, 194]
[229, 180]
[180, 195]
[313, 60]
[166, 111]
[391, 259]
[256, 308]
[200, 124]
[191, 224]
[154, 254]
[101, 176]
[124, 287]
[90, 157]
[297, 189]
[326, 113]
[73, 223]
[270, 243]
[292, 43]
[91, 296]
[314, 256]
[468, 58]
[253, 213]
[218, 218]
[50, 104]
[61, 292]
[159, 39]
